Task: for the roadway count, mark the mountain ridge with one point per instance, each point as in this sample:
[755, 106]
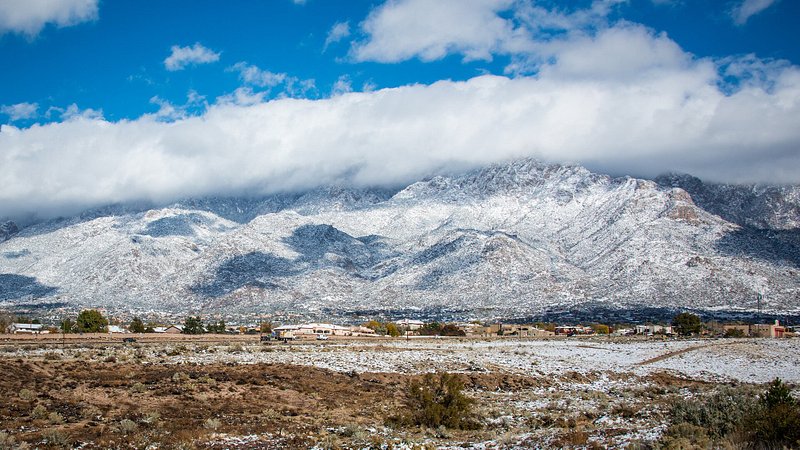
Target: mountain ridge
[507, 240]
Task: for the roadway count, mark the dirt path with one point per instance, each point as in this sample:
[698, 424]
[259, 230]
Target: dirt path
[678, 352]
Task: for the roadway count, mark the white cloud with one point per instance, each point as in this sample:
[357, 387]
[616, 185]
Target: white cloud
[181, 57]
[74, 112]
[20, 111]
[255, 76]
[430, 30]
[243, 96]
[337, 32]
[169, 112]
[743, 11]
[289, 86]
[342, 85]
[477, 29]
[29, 17]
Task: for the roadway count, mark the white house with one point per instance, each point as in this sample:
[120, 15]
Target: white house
[30, 328]
[314, 329]
[172, 329]
[653, 329]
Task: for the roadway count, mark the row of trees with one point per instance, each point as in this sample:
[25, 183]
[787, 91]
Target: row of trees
[195, 325]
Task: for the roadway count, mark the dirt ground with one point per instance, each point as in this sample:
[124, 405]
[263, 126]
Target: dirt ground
[129, 405]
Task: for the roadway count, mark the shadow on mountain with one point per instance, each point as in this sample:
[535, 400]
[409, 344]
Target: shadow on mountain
[180, 225]
[14, 286]
[326, 245]
[773, 246]
[254, 269]
[318, 246]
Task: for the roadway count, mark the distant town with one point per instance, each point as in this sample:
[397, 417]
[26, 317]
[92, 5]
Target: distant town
[682, 324]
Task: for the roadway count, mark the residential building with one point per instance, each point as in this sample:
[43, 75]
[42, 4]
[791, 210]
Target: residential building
[775, 330]
[410, 324]
[29, 328]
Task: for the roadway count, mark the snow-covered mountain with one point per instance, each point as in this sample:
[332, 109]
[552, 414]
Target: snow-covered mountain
[509, 240]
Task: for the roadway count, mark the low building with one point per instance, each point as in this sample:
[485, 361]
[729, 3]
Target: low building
[410, 324]
[572, 330]
[26, 328]
[172, 329]
[653, 329]
[359, 330]
[116, 329]
[524, 330]
[313, 329]
[775, 330]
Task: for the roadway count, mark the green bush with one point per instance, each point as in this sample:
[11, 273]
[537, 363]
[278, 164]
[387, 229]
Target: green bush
[720, 414]
[736, 416]
[684, 436]
[777, 425]
[734, 333]
[438, 400]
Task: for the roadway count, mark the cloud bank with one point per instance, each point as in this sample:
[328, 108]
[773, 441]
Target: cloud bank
[636, 116]
[620, 99]
[29, 17]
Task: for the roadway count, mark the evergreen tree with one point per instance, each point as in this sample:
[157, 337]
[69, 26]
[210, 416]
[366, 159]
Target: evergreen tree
[686, 324]
[91, 321]
[67, 326]
[193, 325]
[136, 326]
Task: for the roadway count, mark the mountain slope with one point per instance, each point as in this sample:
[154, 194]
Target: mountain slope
[508, 240]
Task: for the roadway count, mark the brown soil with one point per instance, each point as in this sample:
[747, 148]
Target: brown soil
[129, 405]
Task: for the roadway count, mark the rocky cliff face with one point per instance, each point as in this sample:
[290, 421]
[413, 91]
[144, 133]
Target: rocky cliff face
[7, 229]
[762, 207]
[509, 240]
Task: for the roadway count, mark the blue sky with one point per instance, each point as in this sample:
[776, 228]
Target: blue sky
[114, 100]
[114, 62]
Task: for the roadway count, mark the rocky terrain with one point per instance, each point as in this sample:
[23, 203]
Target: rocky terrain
[512, 240]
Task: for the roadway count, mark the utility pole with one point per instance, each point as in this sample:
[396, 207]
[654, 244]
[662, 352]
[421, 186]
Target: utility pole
[759, 303]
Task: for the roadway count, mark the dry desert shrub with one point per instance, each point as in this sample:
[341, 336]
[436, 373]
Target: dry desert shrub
[7, 441]
[152, 418]
[56, 438]
[52, 356]
[625, 410]
[26, 395]
[685, 436]
[438, 400]
[212, 424]
[39, 412]
[55, 418]
[127, 426]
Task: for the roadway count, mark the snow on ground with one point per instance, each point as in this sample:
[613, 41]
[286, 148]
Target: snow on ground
[749, 360]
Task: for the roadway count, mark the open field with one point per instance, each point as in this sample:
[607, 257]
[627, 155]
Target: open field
[234, 392]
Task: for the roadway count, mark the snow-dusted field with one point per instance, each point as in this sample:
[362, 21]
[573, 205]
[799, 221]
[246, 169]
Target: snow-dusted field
[748, 360]
[573, 392]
